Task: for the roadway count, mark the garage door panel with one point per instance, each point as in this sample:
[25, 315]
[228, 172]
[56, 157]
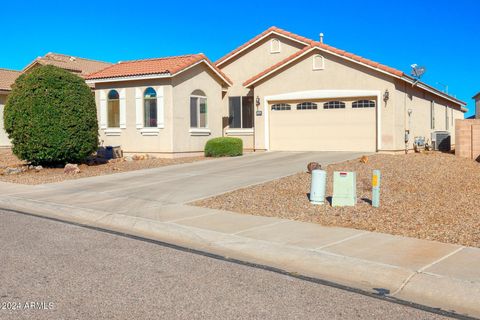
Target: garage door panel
[323, 130]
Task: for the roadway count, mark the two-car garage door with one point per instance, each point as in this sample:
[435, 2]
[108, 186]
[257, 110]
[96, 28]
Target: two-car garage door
[333, 125]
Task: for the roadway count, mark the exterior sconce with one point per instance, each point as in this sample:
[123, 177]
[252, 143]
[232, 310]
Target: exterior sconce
[257, 101]
[386, 95]
[410, 112]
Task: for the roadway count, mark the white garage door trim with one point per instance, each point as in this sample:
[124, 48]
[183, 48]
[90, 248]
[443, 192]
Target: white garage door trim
[323, 94]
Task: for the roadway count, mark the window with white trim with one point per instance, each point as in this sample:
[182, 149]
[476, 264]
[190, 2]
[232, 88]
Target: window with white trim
[334, 105]
[281, 107]
[307, 106]
[150, 108]
[113, 109]
[240, 111]
[318, 62]
[198, 109]
[432, 115]
[275, 46]
[363, 104]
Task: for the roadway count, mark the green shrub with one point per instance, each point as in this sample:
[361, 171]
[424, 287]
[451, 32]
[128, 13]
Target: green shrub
[225, 146]
[51, 118]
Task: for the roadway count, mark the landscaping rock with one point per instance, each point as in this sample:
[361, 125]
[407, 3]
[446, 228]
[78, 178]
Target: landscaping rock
[71, 168]
[13, 170]
[38, 168]
[128, 159]
[313, 166]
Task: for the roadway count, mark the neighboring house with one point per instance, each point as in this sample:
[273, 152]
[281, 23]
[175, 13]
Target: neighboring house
[167, 106]
[306, 95]
[477, 105]
[7, 78]
[79, 66]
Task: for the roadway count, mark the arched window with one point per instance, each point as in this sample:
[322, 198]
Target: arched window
[281, 107]
[150, 108]
[275, 46]
[363, 104]
[334, 105]
[318, 62]
[113, 109]
[198, 109]
[307, 106]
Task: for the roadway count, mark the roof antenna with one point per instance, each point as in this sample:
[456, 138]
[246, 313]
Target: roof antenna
[417, 72]
[321, 37]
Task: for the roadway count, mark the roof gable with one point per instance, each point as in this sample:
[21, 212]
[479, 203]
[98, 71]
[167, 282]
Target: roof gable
[270, 31]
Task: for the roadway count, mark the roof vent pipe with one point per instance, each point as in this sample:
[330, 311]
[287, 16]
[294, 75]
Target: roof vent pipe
[321, 37]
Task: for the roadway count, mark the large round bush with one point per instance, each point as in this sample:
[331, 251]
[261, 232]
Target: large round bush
[51, 118]
[224, 146]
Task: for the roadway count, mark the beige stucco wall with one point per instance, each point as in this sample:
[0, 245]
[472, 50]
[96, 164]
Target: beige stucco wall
[248, 64]
[174, 137]
[419, 101]
[338, 74]
[4, 141]
[197, 78]
[131, 139]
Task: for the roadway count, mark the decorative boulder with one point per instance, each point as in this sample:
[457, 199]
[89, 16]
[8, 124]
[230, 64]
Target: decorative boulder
[71, 168]
[313, 166]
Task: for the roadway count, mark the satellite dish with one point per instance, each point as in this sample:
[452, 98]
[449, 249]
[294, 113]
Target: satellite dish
[417, 71]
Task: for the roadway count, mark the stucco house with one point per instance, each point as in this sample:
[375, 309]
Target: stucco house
[79, 66]
[278, 91]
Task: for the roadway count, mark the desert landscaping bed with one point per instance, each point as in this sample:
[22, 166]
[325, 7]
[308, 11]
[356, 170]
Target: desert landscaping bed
[25, 175]
[431, 196]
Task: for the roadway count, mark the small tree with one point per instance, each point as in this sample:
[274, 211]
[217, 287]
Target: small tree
[51, 118]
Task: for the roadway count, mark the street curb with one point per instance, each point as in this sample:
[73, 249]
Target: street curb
[449, 294]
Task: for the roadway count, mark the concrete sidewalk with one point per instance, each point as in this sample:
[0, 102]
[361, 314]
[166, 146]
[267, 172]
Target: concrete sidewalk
[430, 273]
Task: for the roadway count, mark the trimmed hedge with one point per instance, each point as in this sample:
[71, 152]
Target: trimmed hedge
[224, 147]
[51, 118]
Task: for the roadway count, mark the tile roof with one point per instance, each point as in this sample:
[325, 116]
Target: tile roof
[261, 35]
[166, 65]
[80, 66]
[7, 78]
[328, 48]
[311, 44]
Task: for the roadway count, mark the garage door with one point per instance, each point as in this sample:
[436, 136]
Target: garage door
[332, 125]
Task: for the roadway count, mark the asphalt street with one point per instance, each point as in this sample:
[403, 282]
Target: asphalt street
[54, 270]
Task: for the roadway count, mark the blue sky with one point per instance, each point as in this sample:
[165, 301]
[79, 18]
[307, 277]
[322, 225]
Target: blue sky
[442, 35]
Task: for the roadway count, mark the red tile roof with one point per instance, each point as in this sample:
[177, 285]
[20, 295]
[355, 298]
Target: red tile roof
[167, 66]
[329, 49]
[261, 35]
[7, 78]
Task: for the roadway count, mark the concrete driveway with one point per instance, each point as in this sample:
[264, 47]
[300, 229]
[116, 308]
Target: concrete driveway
[177, 184]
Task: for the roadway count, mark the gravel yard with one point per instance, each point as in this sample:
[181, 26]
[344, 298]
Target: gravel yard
[431, 196]
[49, 175]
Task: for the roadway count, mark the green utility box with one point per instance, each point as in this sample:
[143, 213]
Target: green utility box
[344, 189]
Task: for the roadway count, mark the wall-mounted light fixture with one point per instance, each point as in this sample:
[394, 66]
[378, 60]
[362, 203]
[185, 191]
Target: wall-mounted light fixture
[257, 101]
[386, 95]
[410, 112]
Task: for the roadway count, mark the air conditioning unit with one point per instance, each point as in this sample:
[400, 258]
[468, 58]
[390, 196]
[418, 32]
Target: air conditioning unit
[441, 141]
